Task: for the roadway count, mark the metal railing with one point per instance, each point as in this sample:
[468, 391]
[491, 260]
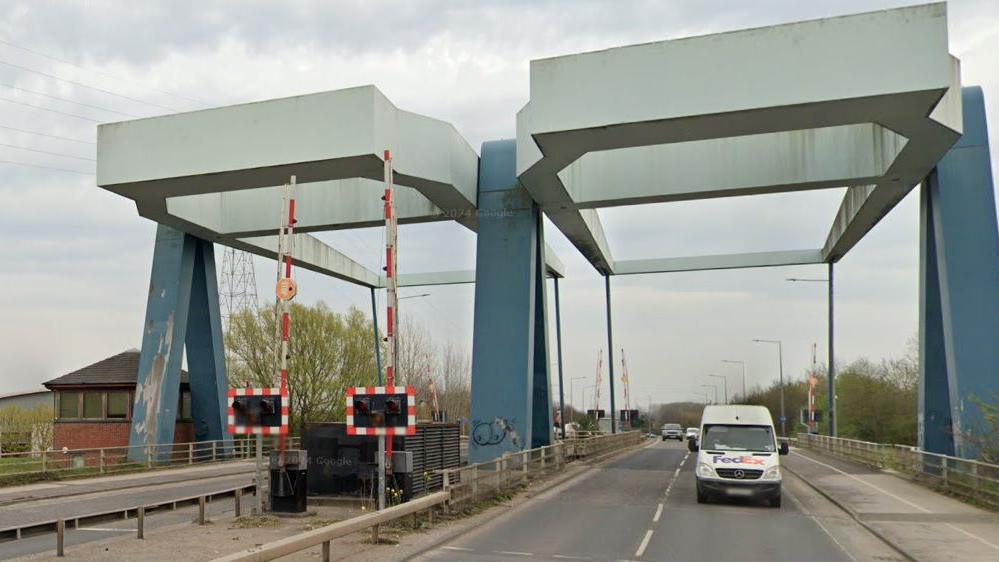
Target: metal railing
[139, 511]
[461, 487]
[111, 460]
[966, 478]
[470, 484]
[324, 535]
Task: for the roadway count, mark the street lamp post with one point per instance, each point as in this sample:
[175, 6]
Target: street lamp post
[724, 385]
[715, 387]
[743, 363]
[831, 378]
[780, 363]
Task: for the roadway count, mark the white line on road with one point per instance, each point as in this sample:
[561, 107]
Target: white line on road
[569, 557]
[513, 553]
[659, 513]
[816, 520]
[644, 545]
[899, 498]
[460, 548]
[866, 483]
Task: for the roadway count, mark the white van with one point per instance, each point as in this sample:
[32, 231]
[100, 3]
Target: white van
[738, 454]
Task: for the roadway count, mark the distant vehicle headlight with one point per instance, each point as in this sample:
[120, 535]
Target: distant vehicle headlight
[772, 473]
[705, 470]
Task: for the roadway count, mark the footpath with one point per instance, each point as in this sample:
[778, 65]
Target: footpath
[921, 524]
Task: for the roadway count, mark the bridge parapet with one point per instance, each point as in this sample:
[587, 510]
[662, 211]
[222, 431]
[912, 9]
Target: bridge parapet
[969, 479]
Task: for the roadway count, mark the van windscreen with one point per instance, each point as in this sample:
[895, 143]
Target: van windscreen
[738, 438]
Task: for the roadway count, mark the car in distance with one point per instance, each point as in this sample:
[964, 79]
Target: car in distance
[738, 454]
[672, 431]
[692, 433]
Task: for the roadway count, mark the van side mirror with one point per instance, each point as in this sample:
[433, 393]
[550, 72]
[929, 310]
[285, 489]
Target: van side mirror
[783, 448]
[692, 445]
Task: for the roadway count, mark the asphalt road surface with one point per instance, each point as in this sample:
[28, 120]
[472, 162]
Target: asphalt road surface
[643, 506]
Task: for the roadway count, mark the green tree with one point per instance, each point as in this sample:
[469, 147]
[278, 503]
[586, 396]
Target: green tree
[24, 429]
[328, 352]
[875, 401]
[687, 414]
[986, 438]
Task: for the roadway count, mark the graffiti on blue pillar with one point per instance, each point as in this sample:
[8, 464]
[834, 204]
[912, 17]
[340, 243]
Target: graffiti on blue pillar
[495, 432]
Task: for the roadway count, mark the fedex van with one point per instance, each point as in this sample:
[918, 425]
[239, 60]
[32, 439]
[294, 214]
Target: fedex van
[738, 454]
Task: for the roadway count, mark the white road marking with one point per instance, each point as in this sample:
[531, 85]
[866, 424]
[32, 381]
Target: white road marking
[864, 482]
[899, 498]
[106, 529]
[460, 548]
[568, 557]
[659, 513]
[644, 545]
[815, 518]
[972, 535]
[513, 553]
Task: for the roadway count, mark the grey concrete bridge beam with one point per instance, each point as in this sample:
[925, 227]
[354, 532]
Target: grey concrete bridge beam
[865, 99]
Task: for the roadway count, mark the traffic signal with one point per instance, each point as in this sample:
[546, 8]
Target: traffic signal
[381, 410]
[394, 415]
[257, 411]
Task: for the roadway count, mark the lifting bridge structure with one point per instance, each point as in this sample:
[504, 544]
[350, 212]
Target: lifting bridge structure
[871, 102]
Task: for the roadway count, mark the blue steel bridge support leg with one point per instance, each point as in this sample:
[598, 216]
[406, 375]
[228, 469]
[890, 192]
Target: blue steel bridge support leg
[182, 307]
[959, 290]
[511, 405]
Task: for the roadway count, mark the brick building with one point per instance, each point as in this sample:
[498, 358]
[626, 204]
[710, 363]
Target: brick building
[93, 405]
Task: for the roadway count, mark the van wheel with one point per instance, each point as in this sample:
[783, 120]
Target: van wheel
[701, 496]
[774, 500]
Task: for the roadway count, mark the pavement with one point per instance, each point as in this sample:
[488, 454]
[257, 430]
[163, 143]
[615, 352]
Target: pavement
[923, 524]
[643, 506]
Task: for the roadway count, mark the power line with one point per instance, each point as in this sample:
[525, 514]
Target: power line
[26, 131]
[47, 152]
[82, 85]
[120, 79]
[67, 100]
[15, 163]
[8, 100]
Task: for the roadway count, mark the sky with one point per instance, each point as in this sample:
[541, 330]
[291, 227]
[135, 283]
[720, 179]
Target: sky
[77, 259]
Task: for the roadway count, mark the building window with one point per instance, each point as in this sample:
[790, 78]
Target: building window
[93, 405]
[118, 405]
[69, 404]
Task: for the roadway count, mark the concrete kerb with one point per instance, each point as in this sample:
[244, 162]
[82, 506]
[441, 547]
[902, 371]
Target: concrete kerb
[853, 515]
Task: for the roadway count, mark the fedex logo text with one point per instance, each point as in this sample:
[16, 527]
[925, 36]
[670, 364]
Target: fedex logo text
[745, 459]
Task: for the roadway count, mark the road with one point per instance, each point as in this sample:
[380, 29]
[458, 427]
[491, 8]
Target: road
[643, 506]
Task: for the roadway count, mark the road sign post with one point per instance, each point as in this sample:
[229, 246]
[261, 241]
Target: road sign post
[259, 490]
[381, 472]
